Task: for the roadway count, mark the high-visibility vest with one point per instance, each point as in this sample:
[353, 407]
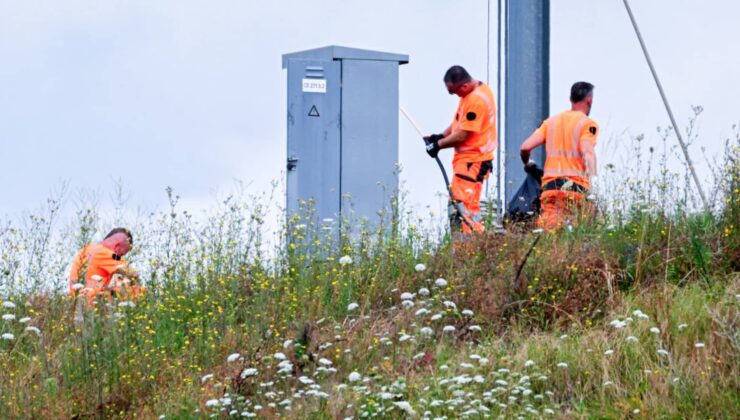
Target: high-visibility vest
[565, 132]
[481, 143]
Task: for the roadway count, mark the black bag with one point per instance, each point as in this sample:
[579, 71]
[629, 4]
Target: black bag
[525, 204]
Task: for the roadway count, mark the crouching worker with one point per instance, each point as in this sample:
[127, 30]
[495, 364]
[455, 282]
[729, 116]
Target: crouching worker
[570, 165]
[99, 270]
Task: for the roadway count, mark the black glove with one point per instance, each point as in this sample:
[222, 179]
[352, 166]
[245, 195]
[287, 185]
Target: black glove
[532, 169]
[433, 137]
[433, 148]
[433, 144]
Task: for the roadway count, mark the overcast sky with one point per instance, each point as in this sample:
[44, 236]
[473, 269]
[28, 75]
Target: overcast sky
[191, 94]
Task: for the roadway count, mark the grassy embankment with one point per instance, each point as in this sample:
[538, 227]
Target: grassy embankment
[634, 316]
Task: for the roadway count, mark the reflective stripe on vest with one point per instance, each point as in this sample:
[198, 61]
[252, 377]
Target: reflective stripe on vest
[490, 144]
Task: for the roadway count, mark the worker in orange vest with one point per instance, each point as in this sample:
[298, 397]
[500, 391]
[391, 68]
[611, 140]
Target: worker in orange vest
[570, 165]
[473, 135]
[99, 270]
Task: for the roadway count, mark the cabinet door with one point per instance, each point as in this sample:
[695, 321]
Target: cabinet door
[313, 138]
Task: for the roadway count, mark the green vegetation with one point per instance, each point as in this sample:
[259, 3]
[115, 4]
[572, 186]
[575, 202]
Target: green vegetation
[634, 314]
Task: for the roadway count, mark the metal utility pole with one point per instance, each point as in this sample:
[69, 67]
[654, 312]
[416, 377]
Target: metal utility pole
[527, 88]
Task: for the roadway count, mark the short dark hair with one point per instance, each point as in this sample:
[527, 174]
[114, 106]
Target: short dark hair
[580, 91]
[457, 75]
[121, 230]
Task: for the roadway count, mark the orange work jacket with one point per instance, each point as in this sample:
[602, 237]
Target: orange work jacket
[476, 113]
[564, 133]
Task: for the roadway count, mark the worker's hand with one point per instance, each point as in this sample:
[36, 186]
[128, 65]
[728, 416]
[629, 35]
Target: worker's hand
[534, 170]
[433, 148]
[433, 137]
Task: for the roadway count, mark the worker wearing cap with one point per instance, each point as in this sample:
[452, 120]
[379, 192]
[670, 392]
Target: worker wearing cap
[103, 268]
[473, 136]
[570, 165]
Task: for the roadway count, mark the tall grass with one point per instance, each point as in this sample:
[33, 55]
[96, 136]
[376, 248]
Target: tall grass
[630, 314]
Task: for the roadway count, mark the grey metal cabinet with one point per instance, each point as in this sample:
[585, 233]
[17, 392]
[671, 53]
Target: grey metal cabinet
[342, 134]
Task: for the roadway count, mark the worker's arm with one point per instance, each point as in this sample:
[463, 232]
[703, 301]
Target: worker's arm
[450, 140]
[589, 157]
[534, 141]
[447, 131]
[126, 271]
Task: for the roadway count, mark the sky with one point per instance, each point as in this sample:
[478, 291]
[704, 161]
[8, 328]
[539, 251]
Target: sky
[191, 94]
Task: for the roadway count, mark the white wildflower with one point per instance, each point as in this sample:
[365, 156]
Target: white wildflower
[96, 277]
[287, 344]
[279, 356]
[206, 377]
[405, 406]
[631, 338]
[699, 345]
[427, 331]
[420, 267]
[407, 296]
[440, 282]
[655, 330]
[467, 312]
[8, 317]
[305, 380]
[249, 372]
[636, 411]
[212, 403]
[8, 336]
[422, 311]
[77, 286]
[549, 411]
[609, 352]
[407, 304]
[608, 383]
[564, 336]
[325, 362]
[475, 328]
[354, 377]
[385, 395]
[618, 324]
[663, 352]
[529, 363]
[24, 320]
[424, 291]
[352, 306]
[562, 365]
[436, 317]
[449, 304]
[33, 330]
[345, 260]
[682, 327]
[640, 314]
[9, 305]
[448, 329]
[233, 357]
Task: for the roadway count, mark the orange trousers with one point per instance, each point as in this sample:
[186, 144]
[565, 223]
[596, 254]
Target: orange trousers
[467, 184]
[559, 207]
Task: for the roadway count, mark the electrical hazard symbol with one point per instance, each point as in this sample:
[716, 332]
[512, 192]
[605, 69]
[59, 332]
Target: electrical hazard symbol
[313, 112]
